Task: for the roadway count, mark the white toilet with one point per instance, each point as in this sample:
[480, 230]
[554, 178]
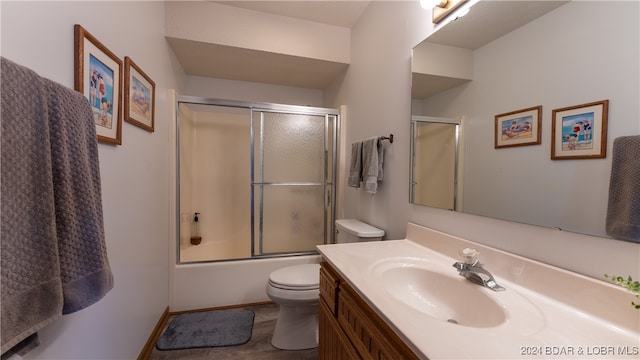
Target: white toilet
[296, 289]
[351, 230]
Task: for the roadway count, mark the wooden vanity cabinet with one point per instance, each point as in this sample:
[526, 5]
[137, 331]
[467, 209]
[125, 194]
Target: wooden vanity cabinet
[349, 328]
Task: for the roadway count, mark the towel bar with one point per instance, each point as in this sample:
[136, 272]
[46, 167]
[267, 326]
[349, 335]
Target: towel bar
[390, 138]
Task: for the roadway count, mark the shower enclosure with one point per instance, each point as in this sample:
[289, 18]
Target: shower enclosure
[435, 162]
[254, 179]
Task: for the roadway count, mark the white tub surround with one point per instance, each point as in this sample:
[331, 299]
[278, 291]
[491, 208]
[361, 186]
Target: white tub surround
[545, 312]
[223, 283]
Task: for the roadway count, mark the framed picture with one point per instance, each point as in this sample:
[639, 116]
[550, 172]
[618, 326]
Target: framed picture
[139, 96]
[580, 132]
[518, 128]
[98, 75]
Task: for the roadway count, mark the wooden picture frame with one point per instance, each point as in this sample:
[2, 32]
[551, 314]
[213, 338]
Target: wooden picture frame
[580, 131]
[98, 76]
[518, 128]
[139, 96]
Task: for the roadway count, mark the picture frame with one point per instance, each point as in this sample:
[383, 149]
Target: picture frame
[139, 96]
[580, 131]
[518, 128]
[98, 76]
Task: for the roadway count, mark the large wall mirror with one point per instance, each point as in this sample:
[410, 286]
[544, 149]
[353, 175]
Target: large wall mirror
[509, 55]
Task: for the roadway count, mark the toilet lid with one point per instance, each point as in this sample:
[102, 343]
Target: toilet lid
[297, 277]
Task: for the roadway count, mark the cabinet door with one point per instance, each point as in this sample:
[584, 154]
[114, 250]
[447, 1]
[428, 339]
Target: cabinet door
[329, 285]
[370, 335]
[333, 344]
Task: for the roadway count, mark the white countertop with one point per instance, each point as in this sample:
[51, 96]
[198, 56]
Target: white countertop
[538, 324]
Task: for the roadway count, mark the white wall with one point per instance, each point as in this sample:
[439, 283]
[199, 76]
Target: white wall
[135, 175]
[376, 89]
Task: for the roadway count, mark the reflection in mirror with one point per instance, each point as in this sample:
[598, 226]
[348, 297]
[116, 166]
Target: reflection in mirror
[434, 162]
[488, 63]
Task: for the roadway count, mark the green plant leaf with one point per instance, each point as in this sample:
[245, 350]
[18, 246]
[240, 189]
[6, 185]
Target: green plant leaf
[629, 284]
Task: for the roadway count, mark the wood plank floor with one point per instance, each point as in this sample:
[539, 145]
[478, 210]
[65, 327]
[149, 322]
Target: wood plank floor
[258, 348]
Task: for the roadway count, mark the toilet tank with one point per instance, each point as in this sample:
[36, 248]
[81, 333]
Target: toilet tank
[351, 230]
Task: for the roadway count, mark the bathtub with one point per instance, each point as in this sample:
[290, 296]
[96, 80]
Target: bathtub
[215, 250]
[206, 285]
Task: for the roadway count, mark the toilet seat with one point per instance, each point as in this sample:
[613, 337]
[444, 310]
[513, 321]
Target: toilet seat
[294, 288]
[296, 278]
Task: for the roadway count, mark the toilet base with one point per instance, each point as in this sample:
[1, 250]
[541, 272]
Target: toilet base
[296, 327]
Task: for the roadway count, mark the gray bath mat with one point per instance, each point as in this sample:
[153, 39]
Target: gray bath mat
[208, 329]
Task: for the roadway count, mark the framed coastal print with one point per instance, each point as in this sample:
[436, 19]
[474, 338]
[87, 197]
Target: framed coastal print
[518, 128]
[139, 96]
[580, 132]
[98, 75]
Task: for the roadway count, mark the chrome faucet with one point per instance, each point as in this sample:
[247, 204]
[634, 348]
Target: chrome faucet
[472, 270]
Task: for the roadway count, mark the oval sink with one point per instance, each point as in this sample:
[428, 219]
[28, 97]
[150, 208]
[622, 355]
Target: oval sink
[442, 296]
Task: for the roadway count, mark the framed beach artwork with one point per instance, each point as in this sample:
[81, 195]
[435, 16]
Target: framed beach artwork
[98, 75]
[580, 132]
[518, 128]
[139, 96]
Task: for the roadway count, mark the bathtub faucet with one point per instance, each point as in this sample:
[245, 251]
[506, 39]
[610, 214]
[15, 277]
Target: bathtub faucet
[472, 270]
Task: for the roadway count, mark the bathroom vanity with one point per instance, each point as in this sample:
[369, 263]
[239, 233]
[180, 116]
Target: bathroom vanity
[402, 299]
[349, 328]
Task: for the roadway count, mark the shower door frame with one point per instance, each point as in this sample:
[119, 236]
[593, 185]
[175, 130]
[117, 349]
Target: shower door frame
[457, 182]
[253, 107]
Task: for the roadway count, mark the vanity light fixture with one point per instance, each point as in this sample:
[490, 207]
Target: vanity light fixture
[430, 4]
[462, 12]
[440, 12]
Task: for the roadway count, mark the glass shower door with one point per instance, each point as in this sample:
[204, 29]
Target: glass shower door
[291, 181]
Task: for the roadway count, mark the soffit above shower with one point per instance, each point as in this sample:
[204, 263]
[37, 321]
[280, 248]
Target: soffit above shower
[338, 13]
[233, 63]
[262, 41]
